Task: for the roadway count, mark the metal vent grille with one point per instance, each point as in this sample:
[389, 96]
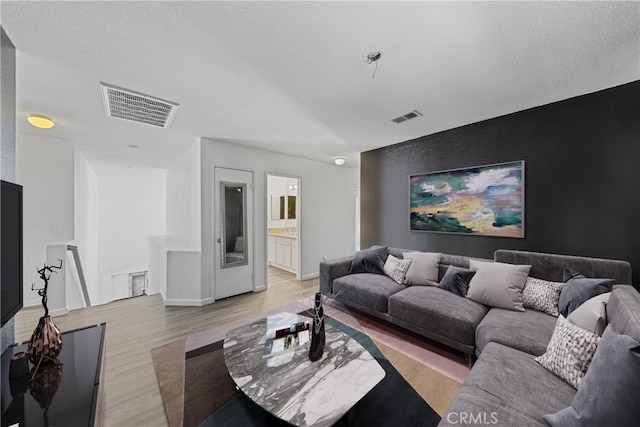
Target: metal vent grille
[129, 105]
[403, 118]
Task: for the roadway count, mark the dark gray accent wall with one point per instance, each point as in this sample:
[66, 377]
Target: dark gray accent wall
[7, 140]
[582, 179]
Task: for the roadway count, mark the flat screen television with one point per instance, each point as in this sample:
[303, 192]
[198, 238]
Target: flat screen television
[11, 250]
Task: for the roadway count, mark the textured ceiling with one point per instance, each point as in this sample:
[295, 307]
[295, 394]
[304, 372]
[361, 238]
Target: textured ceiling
[292, 77]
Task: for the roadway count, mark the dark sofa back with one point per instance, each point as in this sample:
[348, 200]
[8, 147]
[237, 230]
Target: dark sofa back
[445, 261]
[550, 266]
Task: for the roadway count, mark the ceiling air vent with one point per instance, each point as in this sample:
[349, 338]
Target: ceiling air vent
[129, 105]
[412, 115]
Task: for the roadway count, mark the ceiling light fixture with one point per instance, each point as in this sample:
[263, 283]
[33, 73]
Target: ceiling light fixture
[40, 121]
[339, 161]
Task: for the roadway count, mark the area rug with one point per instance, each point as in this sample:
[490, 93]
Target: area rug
[184, 370]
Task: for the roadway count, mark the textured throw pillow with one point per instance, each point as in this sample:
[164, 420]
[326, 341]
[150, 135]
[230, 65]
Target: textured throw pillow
[369, 260]
[498, 284]
[456, 280]
[542, 295]
[592, 314]
[423, 269]
[396, 268]
[608, 394]
[577, 289]
[569, 352]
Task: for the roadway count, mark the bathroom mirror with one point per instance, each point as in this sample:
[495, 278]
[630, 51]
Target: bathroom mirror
[233, 210]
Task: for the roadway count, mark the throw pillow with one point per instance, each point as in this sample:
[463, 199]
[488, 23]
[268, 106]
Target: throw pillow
[498, 284]
[592, 314]
[369, 260]
[456, 280]
[608, 394]
[396, 268]
[423, 269]
[577, 289]
[569, 352]
[542, 295]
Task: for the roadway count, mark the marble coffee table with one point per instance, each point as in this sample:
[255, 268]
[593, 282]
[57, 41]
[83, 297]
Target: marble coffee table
[291, 387]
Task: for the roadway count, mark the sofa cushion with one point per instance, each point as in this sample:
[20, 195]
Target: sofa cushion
[423, 269]
[577, 289]
[498, 285]
[396, 268]
[542, 295]
[509, 386]
[439, 311]
[369, 260]
[608, 394]
[371, 290]
[569, 352]
[592, 314]
[623, 311]
[456, 280]
[528, 331]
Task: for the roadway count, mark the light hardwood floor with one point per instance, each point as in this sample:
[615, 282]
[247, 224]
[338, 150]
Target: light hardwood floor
[136, 325]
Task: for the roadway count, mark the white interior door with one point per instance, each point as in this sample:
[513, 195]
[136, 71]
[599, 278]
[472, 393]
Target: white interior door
[233, 232]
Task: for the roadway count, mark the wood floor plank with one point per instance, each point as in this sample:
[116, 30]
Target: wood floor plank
[136, 325]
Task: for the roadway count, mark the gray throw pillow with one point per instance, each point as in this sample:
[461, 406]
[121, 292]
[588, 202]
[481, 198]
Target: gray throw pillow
[569, 351]
[423, 269]
[577, 289]
[369, 260]
[592, 314]
[456, 280]
[608, 394]
[498, 284]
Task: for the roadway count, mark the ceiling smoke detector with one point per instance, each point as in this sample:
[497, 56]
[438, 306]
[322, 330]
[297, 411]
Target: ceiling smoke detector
[137, 107]
[403, 118]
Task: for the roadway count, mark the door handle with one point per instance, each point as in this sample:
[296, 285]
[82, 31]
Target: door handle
[219, 240]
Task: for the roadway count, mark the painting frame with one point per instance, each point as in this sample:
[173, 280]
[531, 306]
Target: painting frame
[487, 200]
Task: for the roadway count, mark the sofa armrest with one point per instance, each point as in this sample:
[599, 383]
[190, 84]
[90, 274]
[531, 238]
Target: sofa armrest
[331, 270]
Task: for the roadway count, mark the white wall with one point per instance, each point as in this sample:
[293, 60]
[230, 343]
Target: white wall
[44, 167]
[327, 195]
[183, 198]
[86, 224]
[131, 207]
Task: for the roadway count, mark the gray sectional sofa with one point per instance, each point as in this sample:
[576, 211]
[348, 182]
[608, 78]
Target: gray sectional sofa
[506, 386]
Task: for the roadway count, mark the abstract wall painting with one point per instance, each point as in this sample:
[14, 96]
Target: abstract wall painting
[483, 200]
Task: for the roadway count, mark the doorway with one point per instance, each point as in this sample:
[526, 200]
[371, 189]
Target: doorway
[233, 232]
[283, 223]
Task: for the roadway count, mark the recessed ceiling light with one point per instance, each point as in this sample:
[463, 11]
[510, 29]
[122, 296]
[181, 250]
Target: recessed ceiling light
[339, 161]
[40, 121]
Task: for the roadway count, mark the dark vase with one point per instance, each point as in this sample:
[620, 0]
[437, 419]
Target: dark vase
[45, 343]
[317, 330]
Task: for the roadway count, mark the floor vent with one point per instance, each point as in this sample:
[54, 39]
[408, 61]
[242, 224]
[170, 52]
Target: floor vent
[403, 118]
[129, 105]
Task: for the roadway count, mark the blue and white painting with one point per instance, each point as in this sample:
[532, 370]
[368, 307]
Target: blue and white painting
[483, 200]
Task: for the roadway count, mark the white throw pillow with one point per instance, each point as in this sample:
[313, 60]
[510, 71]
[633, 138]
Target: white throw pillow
[542, 295]
[592, 314]
[423, 269]
[498, 284]
[569, 352]
[396, 268]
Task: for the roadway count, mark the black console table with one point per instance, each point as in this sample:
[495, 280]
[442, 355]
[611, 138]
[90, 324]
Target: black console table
[76, 401]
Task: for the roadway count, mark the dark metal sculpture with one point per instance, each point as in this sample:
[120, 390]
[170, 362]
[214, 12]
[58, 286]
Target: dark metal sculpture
[43, 291]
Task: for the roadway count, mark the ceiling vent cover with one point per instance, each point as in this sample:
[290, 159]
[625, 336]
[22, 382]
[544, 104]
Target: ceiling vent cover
[129, 105]
[403, 118]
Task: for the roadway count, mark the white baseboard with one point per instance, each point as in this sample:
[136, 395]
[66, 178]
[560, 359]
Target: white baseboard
[59, 312]
[310, 276]
[187, 302]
